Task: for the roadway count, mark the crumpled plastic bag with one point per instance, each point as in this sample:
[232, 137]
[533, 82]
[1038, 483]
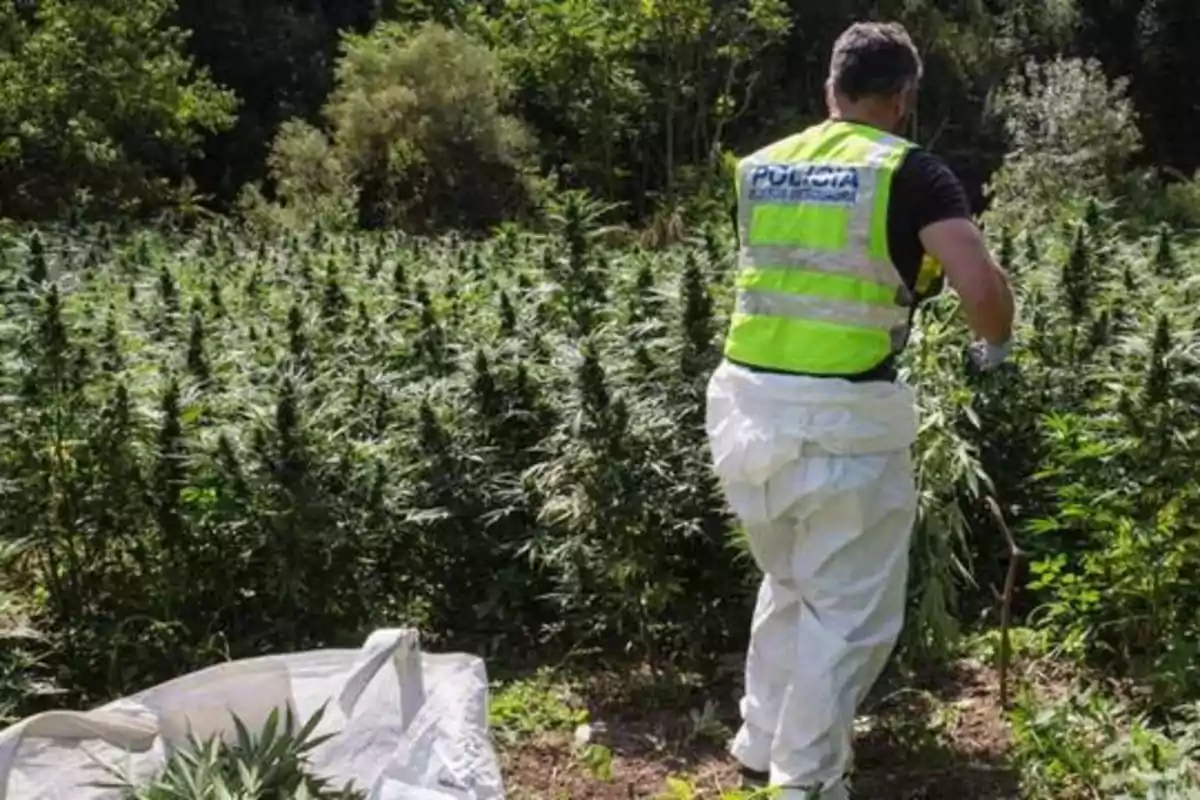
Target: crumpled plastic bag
[405, 725]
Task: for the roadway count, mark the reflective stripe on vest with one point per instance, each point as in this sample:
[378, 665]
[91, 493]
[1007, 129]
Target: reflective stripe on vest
[799, 306]
[817, 291]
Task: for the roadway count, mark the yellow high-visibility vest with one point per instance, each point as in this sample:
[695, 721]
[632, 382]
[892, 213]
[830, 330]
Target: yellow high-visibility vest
[817, 292]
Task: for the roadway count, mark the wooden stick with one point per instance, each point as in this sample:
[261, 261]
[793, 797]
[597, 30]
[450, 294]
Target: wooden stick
[1010, 582]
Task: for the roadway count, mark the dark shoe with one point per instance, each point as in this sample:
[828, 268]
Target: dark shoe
[816, 792]
[754, 779]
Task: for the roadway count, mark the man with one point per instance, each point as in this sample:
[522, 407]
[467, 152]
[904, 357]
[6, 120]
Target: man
[844, 228]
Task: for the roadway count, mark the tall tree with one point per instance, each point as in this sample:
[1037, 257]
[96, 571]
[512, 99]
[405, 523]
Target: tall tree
[99, 106]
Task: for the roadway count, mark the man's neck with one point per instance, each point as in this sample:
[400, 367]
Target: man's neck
[864, 120]
[865, 113]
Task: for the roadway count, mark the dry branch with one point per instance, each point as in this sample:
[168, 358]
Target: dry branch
[1014, 557]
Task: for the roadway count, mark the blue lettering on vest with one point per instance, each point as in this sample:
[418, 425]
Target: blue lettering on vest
[824, 184]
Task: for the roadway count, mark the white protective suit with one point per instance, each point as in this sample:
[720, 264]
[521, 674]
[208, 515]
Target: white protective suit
[820, 473]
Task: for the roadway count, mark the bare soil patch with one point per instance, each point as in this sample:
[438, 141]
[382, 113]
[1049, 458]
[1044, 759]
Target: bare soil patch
[930, 737]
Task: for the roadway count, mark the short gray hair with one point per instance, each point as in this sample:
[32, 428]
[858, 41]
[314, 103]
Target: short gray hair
[874, 59]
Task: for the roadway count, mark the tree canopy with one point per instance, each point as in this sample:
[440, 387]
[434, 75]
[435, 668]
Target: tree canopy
[112, 105]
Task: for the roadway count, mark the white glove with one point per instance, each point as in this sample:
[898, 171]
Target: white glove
[986, 355]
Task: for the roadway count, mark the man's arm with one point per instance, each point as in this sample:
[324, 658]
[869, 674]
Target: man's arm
[980, 283]
[942, 219]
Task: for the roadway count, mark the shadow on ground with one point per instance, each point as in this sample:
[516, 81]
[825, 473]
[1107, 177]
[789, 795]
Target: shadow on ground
[939, 737]
[942, 735]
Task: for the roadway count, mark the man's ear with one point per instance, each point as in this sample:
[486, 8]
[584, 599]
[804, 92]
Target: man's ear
[904, 105]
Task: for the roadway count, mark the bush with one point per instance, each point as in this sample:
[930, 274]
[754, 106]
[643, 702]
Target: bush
[1087, 745]
[1092, 434]
[1176, 204]
[417, 124]
[1071, 134]
[100, 107]
[312, 183]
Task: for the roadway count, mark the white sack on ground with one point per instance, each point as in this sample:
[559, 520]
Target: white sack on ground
[407, 725]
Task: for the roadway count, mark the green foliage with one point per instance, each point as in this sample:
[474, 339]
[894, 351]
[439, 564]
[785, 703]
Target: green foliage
[98, 103]
[1092, 436]
[1086, 745]
[526, 709]
[312, 184]
[1178, 204]
[587, 79]
[948, 471]
[1121, 591]
[1071, 134]
[608, 84]
[681, 789]
[637, 103]
[18, 667]
[573, 66]
[265, 765]
[360, 422]
[419, 137]
[366, 420]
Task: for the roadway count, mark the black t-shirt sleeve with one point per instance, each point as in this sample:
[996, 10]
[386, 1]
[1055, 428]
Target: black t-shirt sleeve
[935, 191]
[924, 191]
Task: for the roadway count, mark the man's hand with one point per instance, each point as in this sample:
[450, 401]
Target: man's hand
[976, 278]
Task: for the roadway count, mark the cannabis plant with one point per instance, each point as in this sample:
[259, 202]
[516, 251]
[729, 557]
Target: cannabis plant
[267, 765]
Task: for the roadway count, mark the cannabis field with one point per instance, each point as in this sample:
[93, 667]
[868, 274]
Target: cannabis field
[216, 444]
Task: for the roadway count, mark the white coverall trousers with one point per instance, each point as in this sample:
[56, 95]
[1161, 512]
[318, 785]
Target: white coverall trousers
[820, 473]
